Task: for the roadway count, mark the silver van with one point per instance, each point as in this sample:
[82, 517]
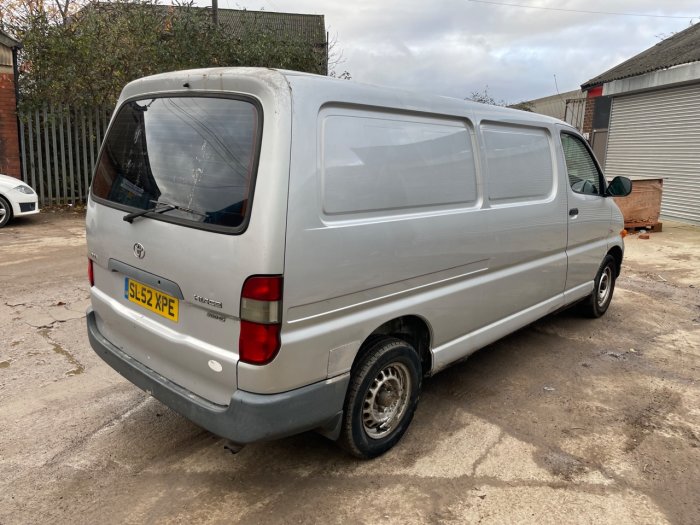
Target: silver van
[272, 252]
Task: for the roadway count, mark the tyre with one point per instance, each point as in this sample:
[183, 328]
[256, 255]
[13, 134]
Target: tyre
[382, 396]
[5, 212]
[597, 303]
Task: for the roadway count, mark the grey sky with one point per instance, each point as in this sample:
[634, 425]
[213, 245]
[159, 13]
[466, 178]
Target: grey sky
[455, 47]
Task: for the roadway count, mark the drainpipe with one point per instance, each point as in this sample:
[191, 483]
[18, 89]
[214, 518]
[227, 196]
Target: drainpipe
[15, 72]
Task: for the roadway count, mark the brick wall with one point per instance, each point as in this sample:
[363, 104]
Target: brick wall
[588, 116]
[9, 142]
[591, 95]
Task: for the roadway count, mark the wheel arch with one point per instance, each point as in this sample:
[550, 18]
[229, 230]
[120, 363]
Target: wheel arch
[413, 329]
[616, 253]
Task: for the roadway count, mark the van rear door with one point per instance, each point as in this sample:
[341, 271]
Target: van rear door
[170, 205]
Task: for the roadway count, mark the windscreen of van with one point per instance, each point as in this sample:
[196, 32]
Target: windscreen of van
[197, 154]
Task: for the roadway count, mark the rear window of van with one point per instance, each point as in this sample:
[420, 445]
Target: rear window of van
[196, 154]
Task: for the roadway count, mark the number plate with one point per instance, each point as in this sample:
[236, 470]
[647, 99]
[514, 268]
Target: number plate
[151, 299]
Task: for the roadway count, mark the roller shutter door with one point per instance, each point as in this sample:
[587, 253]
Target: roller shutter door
[657, 135]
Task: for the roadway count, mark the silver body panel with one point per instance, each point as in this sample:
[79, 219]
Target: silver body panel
[474, 267]
[202, 263]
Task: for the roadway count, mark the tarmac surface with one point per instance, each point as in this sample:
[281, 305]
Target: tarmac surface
[568, 420]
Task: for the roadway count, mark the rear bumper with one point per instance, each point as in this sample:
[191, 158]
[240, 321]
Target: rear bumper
[249, 417]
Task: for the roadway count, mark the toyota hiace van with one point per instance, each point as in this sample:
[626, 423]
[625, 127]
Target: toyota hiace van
[272, 252]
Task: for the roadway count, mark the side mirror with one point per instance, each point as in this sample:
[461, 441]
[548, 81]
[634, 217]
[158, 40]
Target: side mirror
[619, 187]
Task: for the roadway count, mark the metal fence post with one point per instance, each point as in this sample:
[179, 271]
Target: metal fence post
[59, 147]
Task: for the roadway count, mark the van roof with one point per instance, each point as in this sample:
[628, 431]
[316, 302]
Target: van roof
[281, 78]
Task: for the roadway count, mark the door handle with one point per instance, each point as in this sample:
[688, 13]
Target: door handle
[573, 211]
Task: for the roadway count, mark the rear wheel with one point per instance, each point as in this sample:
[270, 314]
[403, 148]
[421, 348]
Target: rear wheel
[598, 302]
[382, 397]
[5, 212]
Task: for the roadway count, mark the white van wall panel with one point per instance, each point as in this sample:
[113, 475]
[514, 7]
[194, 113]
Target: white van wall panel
[346, 274]
[376, 162]
[519, 163]
[657, 135]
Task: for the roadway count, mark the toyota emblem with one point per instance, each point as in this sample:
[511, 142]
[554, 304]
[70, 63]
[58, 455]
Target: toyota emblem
[139, 250]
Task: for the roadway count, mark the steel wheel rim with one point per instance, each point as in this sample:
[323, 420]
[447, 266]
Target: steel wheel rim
[604, 286]
[3, 211]
[386, 400]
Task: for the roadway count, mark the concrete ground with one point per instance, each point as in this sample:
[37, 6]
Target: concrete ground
[568, 420]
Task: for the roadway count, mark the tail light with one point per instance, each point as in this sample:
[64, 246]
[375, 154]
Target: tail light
[91, 273]
[261, 307]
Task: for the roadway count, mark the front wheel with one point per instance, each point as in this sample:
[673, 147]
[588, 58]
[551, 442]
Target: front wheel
[381, 399]
[598, 302]
[5, 212]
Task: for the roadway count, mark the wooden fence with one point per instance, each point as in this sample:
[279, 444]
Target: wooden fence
[59, 148]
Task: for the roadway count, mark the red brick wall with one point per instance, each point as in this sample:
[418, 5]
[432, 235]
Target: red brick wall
[9, 142]
[591, 96]
[588, 117]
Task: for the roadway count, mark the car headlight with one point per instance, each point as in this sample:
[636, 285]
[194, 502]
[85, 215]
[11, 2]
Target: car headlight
[25, 189]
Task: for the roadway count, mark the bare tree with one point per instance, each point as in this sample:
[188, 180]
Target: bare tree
[484, 98]
[18, 13]
[336, 59]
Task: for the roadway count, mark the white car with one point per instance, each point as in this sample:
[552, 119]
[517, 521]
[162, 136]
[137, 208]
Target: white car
[16, 199]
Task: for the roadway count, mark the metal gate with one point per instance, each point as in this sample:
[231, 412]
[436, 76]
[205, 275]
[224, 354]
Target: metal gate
[656, 134]
[574, 112]
[59, 146]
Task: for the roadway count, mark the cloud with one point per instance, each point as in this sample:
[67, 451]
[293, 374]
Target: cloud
[456, 47]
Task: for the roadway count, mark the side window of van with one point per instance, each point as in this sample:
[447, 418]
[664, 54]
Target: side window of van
[373, 161]
[519, 163]
[580, 166]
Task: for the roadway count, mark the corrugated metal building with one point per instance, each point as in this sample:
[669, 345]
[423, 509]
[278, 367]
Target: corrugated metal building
[568, 106]
[290, 27]
[649, 109]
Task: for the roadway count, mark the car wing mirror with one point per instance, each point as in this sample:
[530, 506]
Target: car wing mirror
[619, 187]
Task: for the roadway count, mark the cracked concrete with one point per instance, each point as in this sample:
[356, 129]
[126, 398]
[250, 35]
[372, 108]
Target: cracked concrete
[614, 437]
[78, 367]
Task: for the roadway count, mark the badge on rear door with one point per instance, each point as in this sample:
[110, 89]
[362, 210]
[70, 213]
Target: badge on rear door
[206, 300]
[139, 250]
